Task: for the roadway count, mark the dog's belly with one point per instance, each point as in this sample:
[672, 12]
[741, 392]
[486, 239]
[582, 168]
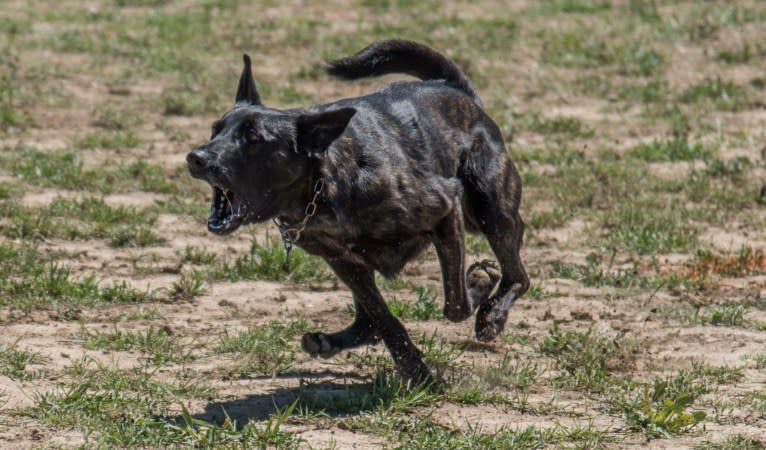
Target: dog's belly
[387, 256]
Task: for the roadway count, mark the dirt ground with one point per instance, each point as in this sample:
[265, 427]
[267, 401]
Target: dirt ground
[625, 310]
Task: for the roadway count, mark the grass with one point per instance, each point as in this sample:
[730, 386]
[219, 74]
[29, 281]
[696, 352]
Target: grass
[676, 149]
[716, 93]
[425, 306]
[267, 262]
[624, 155]
[158, 346]
[64, 169]
[14, 362]
[89, 217]
[587, 358]
[115, 407]
[265, 350]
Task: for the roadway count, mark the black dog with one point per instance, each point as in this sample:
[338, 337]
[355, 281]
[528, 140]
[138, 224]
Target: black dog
[367, 183]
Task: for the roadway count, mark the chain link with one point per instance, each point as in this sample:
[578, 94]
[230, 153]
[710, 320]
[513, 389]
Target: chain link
[291, 234]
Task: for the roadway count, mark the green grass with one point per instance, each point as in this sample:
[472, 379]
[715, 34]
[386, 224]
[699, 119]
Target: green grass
[425, 307]
[676, 149]
[113, 140]
[87, 218]
[116, 408]
[267, 262]
[157, 346]
[648, 229]
[587, 358]
[64, 169]
[265, 350]
[733, 442]
[14, 362]
[716, 93]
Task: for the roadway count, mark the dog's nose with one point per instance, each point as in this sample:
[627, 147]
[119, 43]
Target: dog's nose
[198, 161]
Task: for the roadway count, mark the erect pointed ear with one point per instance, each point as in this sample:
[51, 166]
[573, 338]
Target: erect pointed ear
[246, 91]
[316, 131]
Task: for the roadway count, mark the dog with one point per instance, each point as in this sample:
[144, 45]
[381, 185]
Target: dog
[367, 183]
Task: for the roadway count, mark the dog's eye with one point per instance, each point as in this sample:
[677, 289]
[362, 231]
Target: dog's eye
[252, 135]
[217, 127]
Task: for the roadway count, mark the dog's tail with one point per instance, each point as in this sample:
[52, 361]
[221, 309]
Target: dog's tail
[402, 56]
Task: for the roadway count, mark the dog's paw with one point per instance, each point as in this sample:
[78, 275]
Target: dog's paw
[318, 344]
[493, 314]
[481, 279]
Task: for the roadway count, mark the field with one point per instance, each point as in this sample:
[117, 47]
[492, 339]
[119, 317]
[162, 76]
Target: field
[638, 127]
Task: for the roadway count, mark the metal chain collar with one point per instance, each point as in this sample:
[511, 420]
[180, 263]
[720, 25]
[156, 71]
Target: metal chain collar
[291, 234]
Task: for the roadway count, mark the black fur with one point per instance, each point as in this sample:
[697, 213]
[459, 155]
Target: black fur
[413, 164]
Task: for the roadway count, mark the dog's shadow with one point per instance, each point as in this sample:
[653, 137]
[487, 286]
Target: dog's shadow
[347, 394]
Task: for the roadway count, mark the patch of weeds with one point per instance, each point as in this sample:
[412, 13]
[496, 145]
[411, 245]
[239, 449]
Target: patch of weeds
[158, 346]
[424, 308]
[511, 372]
[557, 156]
[197, 255]
[664, 408]
[677, 149]
[727, 315]
[594, 274]
[266, 350]
[114, 140]
[10, 191]
[14, 361]
[11, 116]
[747, 261]
[733, 442]
[639, 58]
[581, 49]
[650, 230]
[64, 169]
[646, 92]
[189, 285]
[477, 244]
[198, 433]
[143, 314]
[116, 119]
[47, 285]
[721, 95]
[115, 408]
[563, 126]
[555, 218]
[741, 55]
[716, 374]
[422, 433]
[439, 355]
[575, 6]
[89, 217]
[587, 357]
[267, 262]
[134, 236]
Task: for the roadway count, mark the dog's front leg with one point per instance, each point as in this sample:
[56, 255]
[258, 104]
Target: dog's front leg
[361, 332]
[407, 358]
[459, 302]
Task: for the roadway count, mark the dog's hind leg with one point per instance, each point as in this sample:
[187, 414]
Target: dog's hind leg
[493, 313]
[361, 332]
[492, 195]
[460, 301]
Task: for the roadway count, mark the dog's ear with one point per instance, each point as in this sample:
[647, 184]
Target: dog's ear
[316, 131]
[246, 91]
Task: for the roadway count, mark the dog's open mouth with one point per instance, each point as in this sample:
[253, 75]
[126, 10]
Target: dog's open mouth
[227, 211]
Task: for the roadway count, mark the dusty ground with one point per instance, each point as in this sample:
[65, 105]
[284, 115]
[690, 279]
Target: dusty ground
[644, 268]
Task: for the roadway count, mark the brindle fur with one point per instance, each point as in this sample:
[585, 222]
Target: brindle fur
[413, 164]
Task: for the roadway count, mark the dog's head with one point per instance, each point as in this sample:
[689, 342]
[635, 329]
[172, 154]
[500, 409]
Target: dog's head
[259, 159]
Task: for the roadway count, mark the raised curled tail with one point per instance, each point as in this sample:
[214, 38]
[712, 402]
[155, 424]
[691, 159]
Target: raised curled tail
[402, 56]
